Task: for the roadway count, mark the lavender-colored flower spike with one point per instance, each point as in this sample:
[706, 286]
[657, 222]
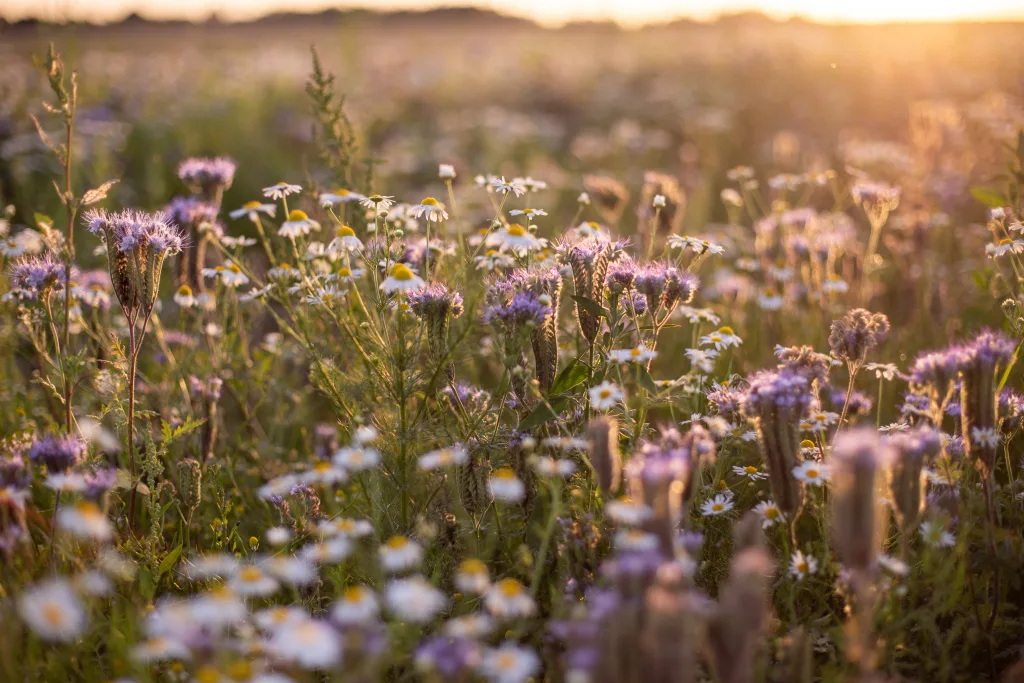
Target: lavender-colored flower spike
[208, 176]
[981, 363]
[57, 453]
[37, 275]
[859, 460]
[436, 305]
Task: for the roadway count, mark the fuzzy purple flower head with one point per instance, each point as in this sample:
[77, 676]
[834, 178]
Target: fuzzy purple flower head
[57, 453]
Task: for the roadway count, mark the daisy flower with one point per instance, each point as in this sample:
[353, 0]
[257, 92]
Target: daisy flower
[253, 210]
[277, 535]
[509, 663]
[835, 285]
[750, 472]
[298, 224]
[326, 296]
[401, 279]
[509, 599]
[340, 196]
[722, 338]
[349, 275]
[284, 272]
[229, 274]
[311, 644]
[214, 565]
[1006, 246]
[278, 617]
[886, 371]
[357, 605]
[640, 354]
[627, 511]
[443, 457]
[445, 171]
[529, 213]
[160, 649]
[892, 565]
[331, 552]
[719, 505]
[356, 458]
[53, 611]
[251, 581]
[472, 577]
[553, 467]
[414, 599]
[472, 626]
[494, 259]
[695, 243]
[703, 360]
[769, 513]
[505, 486]
[290, 569]
[281, 190]
[183, 297]
[659, 201]
[400, 554]
[499, 185]
[802, 566]
[811, 473]
[819, 422]
[514, 237]
[769, 299]
[86, 521]
[378, 202]
[605, 395]
[531, 184]
[324, 473]
[430, 209]
[635, 540]
[935, 535]
[592, 230]
[985, 436]
[345, 241]
[345, 526]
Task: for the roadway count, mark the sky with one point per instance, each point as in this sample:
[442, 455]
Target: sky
[630, 12]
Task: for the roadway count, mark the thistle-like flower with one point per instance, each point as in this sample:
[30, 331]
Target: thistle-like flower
[910, 451]
[981, 363]
[436, 306]
[210, 177]
[858, 464]
[856, 333]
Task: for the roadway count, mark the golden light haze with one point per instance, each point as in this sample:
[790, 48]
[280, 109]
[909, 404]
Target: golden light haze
[628, 12]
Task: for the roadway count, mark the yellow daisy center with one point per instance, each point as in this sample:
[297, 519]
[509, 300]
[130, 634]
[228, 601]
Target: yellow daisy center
[812, 473]
[397, 542]
[430, 201]
[750, 469]
[344, 272]
[725, 330]
[1005, 242]
[504, 473]
[353, 594]
[322, 467]
[510, 588]
[771, 513]
[717, 507]
[345, 231]
[234, 268]
[251, 205]
[250, 574]
[185, 290]
[208, 674]
[342, 192]
[806, 443]
[53, 614]
[400, 271]
[297, 215]
[473, 566]
[240, 670]
[636, 353]
[516, 230]
[605, 393]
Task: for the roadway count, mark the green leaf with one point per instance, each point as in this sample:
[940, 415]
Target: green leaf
[991, 198]
[542, 413]
[146, 584]
[187, 427]
[169, 561]
[590, 306]
[1009, 367]
[645, 379]
[570, 377]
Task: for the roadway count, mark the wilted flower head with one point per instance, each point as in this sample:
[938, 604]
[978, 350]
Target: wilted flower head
[856, 333]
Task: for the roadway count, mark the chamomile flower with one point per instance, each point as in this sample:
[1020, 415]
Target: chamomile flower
[443, 457]
[345, 526]
[506, 486]
[722, 338]
[228, 273]
[494, 259]
[349, 275]
[811, 473]
[531, 184]
[401, 279]
[472, 626]
[639, 354]
[769, 513]
[290, 570]
[769, 299]
[340, 196]
[702, 359]
[1006, 246]
[835, 285]
[750, 472]
[160, 649]
[53, 611]
[281, 190]
[529, 213]
[184, 297]
[253, 209]
[277, 535]
[819, 422]
[297, 225]
[356, 458]
[71, 482]
[311, 644]
[251, 581]
[509, 663]
[284, 272]
[472, 577]
[592, 230]
[345, 241]
[605, 395]
[509, 599]
[719, 505]
[324, 473]
[514, 237]
[627, 511]
[886, 371]
[356, 605]
[278, 617]
[414, 599]
[378, 202]
[364, 435]
[326, 296]
[330, 552]
[430, 210]
[400, 554]
[695, 243]
[894, 566]
[214, 565]
[985, 436]
[499, 185]
[801, 566]
[86, 521]
[635, 540]
[697, 315]
[935, 535]
[553, 467]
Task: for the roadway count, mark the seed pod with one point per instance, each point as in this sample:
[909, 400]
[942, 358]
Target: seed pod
[190, 483]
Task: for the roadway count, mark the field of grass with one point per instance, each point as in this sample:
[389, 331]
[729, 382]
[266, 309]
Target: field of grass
[461, 349]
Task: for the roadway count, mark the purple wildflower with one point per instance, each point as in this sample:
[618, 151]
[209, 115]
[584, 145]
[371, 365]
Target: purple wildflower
[57, 453]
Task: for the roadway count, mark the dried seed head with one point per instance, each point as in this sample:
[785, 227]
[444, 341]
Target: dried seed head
[856, 333]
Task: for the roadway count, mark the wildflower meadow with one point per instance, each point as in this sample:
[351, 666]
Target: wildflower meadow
[512, 366]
